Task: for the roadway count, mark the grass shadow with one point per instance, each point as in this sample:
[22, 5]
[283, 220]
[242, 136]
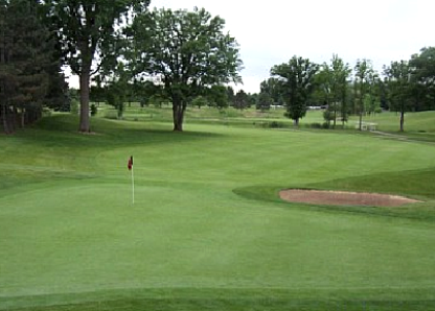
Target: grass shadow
[214, 299]
[61, 130]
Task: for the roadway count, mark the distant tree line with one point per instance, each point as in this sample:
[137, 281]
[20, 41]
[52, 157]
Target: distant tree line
[122, 52]
[402, 86]
[148, 93]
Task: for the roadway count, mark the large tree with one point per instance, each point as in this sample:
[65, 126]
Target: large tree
[399, 88]
[372, 98]
[187, 50]
[297, 77]
[363, 77]
[323, 92]
[424, 72]
[341, 73]
[90, 31]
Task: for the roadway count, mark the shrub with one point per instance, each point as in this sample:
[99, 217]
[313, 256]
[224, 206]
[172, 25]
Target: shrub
[326, 125]
[275, 124]
[316, 125]
[94, 110]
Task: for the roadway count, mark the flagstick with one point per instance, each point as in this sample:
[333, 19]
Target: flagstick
[132, 181]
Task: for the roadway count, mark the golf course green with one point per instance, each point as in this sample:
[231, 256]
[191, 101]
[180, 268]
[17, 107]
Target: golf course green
[207, 230]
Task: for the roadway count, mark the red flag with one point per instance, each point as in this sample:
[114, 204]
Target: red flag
[130, 163]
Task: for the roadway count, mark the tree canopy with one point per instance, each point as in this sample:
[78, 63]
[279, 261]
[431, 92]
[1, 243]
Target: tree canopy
[423, 65]
[297, 77]
[90, 33]
[187, 50]
[184, 57]
[271, 90]
[398, 78]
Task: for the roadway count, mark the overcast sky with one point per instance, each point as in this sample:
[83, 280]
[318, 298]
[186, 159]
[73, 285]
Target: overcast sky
[271, 32]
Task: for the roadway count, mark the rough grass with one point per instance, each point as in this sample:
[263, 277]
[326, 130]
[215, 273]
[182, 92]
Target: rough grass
[418, 126]
[72, 240]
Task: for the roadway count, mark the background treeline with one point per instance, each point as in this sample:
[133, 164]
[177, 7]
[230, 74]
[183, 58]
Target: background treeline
[402, 86]
[127, 53]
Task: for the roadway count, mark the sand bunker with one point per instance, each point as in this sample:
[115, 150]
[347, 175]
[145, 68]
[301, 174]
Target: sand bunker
[343, 198]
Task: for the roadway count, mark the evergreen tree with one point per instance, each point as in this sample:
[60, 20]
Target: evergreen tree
[26, 62]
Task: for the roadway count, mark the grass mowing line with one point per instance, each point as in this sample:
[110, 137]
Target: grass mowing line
[38, 168]
[113, 287]
[402, 138]
[229, 300]
[188, 235]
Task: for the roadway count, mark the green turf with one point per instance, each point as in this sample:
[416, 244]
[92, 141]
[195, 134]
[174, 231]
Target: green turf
[418, 126]
[207, 231]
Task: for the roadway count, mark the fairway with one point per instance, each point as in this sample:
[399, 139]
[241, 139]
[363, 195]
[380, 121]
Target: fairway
[208, 230]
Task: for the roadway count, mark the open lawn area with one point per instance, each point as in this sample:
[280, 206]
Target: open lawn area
[207, 230]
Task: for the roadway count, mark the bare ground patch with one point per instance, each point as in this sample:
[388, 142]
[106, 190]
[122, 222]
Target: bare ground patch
[344, 198]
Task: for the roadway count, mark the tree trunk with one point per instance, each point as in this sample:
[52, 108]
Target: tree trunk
[3, 102]
[296, 122]
[343, 105]
[178, 108]
[85, 78]
[4, 118]
[360, 112]
[23, 118]
[343, 113]
[402, 120]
